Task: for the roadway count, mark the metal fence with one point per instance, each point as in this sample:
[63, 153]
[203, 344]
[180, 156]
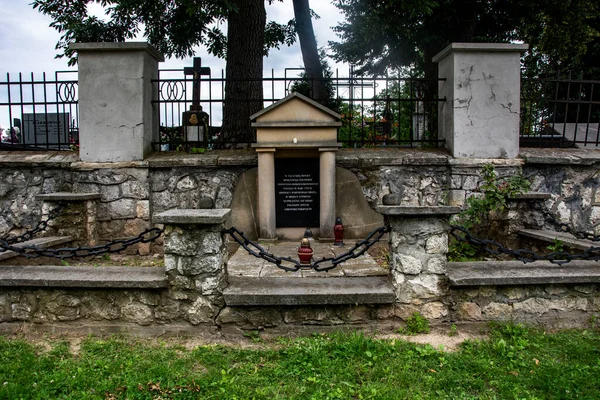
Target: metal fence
[376, 111]
[560, 112]
[39, 114]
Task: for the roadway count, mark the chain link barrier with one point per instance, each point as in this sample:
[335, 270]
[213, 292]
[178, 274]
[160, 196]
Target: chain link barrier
[492, 247]
[321, 265]
[40, 227]
[113, 246]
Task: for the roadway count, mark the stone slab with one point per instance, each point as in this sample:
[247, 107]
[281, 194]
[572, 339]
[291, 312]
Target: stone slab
[293, 292]
[192, 216]
[117, 46]
[532, 196]
[417, 211]
[83, 277]
[480, 47]
[67, 196]
[497, 273]
[567, 239]
[42, 243]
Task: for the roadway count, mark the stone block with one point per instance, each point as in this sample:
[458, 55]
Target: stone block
[200, 311]
[407, 264]
[497, 311]
[203, 265]
[142, 209]
[434, 310]
[437, 244]
[138, 313]
[436, 265]
[470, 311]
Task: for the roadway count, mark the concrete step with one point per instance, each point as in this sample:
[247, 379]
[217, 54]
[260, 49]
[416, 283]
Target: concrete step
[42, 243]
[497, 273]
[83, 277]
[567, 239]
[244, 291]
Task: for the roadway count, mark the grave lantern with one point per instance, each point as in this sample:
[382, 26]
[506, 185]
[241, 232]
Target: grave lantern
[195, 125]
[305, 252]
[338, 232]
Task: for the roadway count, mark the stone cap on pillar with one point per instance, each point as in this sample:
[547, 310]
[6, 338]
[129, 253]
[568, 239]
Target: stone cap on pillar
[480, 47]
[192, 216]
[417, 211]
[117, 46]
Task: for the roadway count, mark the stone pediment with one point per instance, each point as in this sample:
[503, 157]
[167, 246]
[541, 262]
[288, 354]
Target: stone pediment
[296, 110]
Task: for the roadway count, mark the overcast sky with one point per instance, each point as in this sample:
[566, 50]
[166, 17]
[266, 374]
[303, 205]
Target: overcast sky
[27, 42]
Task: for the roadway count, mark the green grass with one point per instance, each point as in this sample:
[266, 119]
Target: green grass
[514, 363]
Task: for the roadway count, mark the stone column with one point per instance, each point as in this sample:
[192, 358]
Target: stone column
[419, 245]
[327, 191]
[194, 261]
[266, 194]
[480, 116]
[117, 120]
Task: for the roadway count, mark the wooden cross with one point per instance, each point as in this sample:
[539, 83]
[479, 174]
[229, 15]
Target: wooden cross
[197, 70]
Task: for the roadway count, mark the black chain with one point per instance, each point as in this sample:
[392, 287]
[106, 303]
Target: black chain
[114, 246]
[41, 226]
[321, 265]
[462, 234]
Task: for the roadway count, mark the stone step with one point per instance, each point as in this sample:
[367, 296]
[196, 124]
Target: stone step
[567, 239]
[83, 277]
[243, 291]
[495, 273]
[42, 243]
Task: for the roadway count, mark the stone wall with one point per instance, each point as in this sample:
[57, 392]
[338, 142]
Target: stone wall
[556, 306]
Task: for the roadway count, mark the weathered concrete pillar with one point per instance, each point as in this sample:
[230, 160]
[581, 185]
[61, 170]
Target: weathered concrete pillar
[117, 120]
[266, 193]
[327, 191]
[194, 261]
[480, 117]
[419, 245]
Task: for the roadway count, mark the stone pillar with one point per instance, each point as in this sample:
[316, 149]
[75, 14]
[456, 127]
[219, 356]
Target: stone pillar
[419, 245]
[266, 193]
[327, 191]
[480, 117]
[117, 120]
[194, 261]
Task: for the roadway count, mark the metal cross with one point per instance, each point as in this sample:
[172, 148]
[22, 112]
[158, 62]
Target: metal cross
[197, 70]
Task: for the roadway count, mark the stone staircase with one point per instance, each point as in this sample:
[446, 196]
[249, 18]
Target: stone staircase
[256, 282]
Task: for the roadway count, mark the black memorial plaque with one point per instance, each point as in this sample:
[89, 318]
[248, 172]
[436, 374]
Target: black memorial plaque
[297, 192]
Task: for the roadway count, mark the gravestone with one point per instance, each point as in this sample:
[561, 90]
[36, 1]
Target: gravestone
[296, 141]
[297, 192]
[49, 128]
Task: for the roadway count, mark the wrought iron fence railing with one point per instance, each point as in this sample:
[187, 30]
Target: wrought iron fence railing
[560, 112]
[376, 111]
[39, 113]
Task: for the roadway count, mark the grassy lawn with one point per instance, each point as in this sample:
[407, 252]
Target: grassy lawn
[513, 363]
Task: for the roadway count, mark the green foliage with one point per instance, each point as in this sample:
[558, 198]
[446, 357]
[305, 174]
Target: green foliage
[415, 324]
[453, 331]
[512, 363]
[303, 86]
[493, 197]
[400, 35]
[175, 28]
[557, 246]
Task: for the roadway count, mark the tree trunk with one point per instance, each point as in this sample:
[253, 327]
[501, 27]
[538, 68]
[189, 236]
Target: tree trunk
[243, 83]
[310, 53]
